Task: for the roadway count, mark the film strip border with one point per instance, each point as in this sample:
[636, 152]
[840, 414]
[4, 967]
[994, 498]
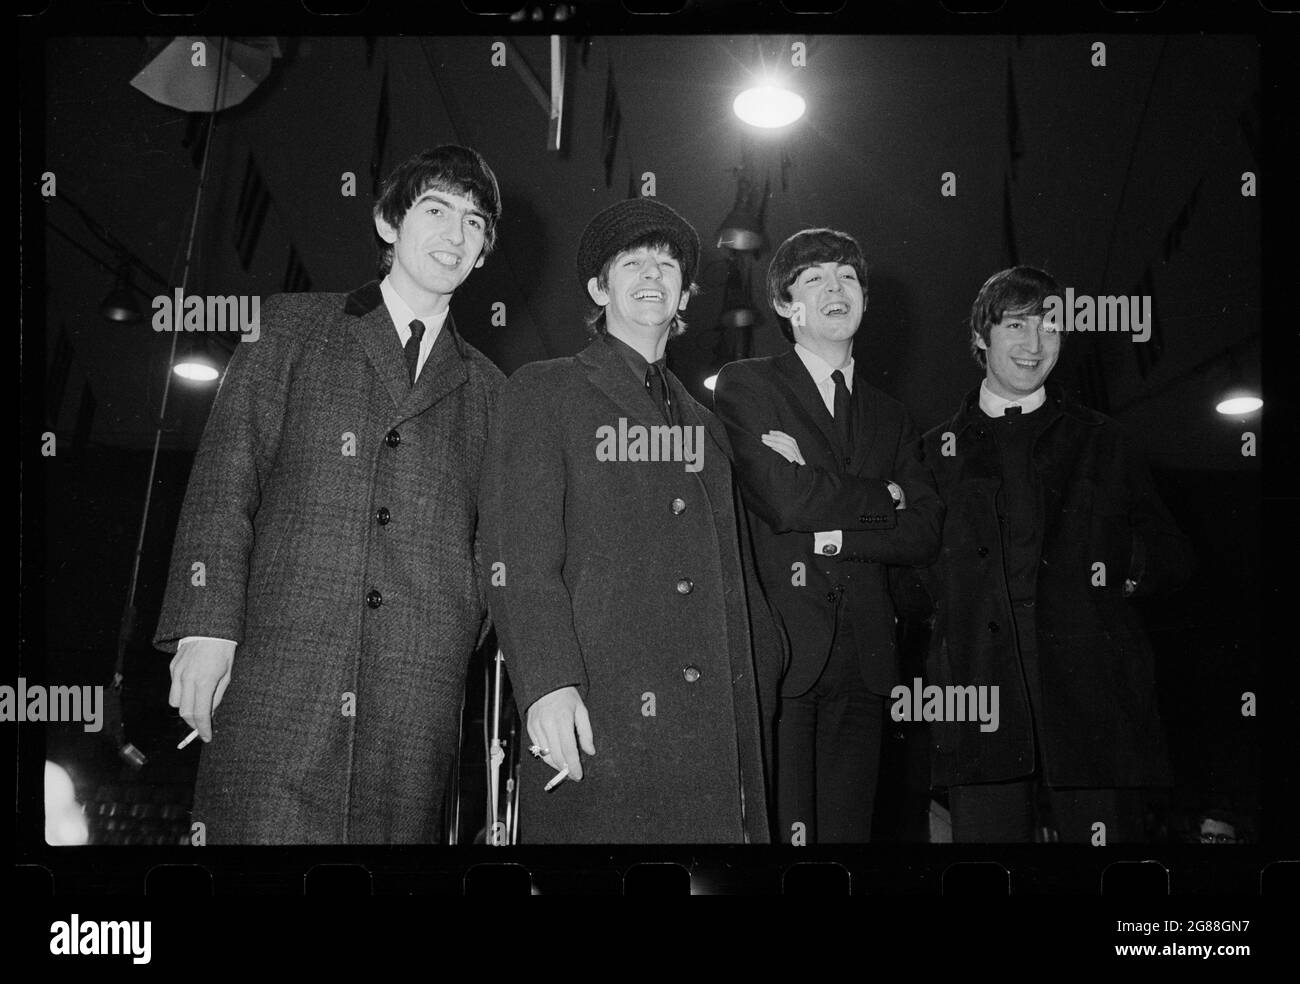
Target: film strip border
[988, 873]
[897, 870]
[663, 16]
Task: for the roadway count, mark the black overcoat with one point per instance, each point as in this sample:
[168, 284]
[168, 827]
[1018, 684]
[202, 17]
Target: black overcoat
[333, 507]
[626, 579]
[1099, 723]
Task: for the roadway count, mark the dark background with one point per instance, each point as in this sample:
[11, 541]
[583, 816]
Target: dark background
[1108, 177]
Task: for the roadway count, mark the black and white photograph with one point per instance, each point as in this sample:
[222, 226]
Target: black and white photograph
[808, 441]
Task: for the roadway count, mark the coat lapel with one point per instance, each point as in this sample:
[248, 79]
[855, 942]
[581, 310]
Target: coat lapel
[610, 374]
[795, 376]
[443, 371]
[374, 330]
[866, 422]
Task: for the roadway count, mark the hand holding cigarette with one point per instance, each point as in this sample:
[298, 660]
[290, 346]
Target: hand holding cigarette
[554, 722]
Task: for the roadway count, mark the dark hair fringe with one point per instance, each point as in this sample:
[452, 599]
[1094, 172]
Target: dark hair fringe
[1015, 290]
[448, 168]
[807, 248]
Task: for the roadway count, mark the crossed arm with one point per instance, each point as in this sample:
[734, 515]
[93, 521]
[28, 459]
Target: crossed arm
[792, 496]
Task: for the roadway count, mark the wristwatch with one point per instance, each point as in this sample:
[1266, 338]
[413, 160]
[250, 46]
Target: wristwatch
[895, 493]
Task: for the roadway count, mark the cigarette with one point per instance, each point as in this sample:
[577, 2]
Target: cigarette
[188, 738]
[556, 779]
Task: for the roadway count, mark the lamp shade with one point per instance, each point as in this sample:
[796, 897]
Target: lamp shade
[172, 78]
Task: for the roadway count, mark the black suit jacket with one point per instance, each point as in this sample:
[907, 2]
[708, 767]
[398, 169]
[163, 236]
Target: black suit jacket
[788, 503]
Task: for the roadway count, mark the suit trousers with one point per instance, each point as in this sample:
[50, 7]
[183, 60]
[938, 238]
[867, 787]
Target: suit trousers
[828, 744]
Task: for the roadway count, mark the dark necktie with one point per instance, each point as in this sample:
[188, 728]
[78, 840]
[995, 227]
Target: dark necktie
[842, 431]
[1012, 411]
[657, 383]
[412, 349]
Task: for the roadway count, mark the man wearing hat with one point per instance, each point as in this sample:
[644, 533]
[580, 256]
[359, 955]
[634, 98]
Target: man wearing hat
[643, 656]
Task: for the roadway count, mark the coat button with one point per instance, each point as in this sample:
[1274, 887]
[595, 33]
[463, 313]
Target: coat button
[830, 549]
[685, 586]
[993, 626]
[678, 507]
[847, 460]
[383, 516]
[691, 673]
[983, 551]
[393, 439]
[830, 595]
[373, 598]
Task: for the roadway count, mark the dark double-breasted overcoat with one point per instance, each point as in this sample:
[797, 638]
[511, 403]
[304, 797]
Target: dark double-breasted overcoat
[332, 507]
[1098, 722]
[627, 580]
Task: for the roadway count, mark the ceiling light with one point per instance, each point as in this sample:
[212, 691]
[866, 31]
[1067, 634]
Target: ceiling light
[769, 106]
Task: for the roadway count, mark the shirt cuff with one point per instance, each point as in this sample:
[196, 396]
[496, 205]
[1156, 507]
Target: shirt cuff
[203, 639]
[828, 543]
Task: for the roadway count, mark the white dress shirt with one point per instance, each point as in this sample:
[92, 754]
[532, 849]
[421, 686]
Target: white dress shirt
[401, 314]
[821, 371]
[996, 406]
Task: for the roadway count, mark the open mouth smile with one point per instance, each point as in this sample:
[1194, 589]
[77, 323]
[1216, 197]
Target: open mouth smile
[647, 294]
[446, 259]
[835, 309]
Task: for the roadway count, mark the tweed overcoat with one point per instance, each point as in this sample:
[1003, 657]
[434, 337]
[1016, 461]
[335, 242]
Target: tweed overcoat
[627, 579]
[333, 507]
[1098, 720]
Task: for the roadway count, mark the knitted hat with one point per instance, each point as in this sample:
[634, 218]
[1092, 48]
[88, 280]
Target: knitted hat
[623, 223]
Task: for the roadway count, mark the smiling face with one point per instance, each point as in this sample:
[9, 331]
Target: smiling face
[438, 243]
[1020, 353]
[826, 304]
[643, 292]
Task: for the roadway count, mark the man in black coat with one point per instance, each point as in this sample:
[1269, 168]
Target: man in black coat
[830, 472]
[1052, 527]
[641, 651]
[323, 591]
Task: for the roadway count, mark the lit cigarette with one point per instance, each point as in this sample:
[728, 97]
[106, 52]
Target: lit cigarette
[188, 738]
[558, 778]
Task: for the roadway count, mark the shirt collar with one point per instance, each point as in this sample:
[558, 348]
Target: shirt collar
[402, 314]
[996, 406]
[820, 369]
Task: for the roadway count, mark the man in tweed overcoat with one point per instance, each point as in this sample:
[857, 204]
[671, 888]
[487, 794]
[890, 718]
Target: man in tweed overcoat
[323, 588]
[622, 589]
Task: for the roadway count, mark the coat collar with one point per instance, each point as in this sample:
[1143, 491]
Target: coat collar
[610, 374]
[1058, 403]
[443, 372]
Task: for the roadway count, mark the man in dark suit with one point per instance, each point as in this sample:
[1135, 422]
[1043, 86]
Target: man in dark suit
[829, 469]
[323, 579]
[641, 651]
[1053, 524]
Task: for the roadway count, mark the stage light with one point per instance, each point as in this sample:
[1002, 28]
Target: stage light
[1239, 405]
[120, 304]
[65, 821]
[199, 372]
[769, 106]
[711, 382]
